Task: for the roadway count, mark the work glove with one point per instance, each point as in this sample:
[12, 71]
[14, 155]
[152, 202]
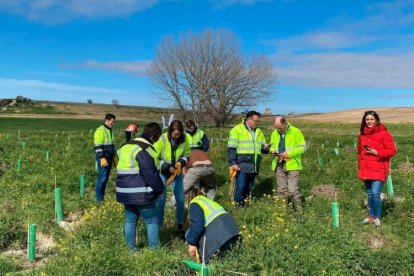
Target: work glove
[178, 168]
[104, 162]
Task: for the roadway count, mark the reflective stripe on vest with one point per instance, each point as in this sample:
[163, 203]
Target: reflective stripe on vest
[244, 143]
[211, 209]
[128, 164]
[134, 190]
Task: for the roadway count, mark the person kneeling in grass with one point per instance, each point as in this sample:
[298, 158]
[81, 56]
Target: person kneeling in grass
[212, 229]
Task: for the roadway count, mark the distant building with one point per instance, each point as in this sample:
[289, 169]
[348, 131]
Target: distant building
[268, 111]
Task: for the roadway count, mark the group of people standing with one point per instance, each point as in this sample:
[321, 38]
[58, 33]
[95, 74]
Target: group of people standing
[154, 161]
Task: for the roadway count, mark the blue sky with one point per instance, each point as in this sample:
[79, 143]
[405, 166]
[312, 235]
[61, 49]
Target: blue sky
[329, 55]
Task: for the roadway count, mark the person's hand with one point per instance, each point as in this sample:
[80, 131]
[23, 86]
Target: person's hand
[235, 167]
[104, 162]
[275, 153]
[192, 250]
[284, 155]
[372, 151]
[172, 170]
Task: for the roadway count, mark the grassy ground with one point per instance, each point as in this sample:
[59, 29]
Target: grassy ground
[275, 241]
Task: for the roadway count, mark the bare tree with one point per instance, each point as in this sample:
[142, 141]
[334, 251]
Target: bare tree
[115, 102]
[208, 75]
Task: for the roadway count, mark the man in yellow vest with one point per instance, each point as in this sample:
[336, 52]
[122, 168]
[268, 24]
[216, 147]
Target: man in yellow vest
[212, 229]
[287, 146]
[245, 145]
[105, 153]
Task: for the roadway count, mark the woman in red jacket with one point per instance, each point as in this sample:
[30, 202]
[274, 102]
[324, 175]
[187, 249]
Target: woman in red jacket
[375, 148]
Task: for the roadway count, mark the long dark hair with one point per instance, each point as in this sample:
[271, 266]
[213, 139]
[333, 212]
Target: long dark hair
[176, 125]
[369, 112]
[151, 132]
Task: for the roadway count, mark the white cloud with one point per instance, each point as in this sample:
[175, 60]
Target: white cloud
[351, 70]
[373, 52]
[16, 85]
[136, 68]
[56, 11]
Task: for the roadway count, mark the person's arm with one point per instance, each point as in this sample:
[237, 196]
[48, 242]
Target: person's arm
[265, 146]
[196, 224]
[149, 172]
[98, 139]
[300, 144]
[389, 149]
[232, 145]
[186, 154]
[205, 142]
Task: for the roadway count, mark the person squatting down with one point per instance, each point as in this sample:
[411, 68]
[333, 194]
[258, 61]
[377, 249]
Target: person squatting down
[138, 184]
[105, 154]
[212, 229]
[200, 174]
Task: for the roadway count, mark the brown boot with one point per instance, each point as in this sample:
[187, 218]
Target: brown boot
[297, 205]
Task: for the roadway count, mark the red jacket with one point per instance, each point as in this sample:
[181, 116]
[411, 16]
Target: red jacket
[373, 167]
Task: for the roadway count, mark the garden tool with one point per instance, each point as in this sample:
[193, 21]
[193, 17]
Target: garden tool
[232, 175]
[177, 172]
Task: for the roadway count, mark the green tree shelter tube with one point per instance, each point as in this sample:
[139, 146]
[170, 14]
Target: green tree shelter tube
[47, 155]
[320, 162]
[82, 185]
[200, 268]
[390, 189]
[19, 165]
[335, 214]
[31, 243]
[58, 205]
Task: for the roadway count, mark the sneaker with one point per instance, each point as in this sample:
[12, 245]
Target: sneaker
[368, 220]
[377, 222]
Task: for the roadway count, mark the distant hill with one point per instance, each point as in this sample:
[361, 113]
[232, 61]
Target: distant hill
[387, 115]
[24, 107]
[50, 109]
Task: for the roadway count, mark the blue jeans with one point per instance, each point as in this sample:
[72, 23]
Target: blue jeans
[244, 186]
[103, 176]
[178, 188]
[374, 197]
[149, 214]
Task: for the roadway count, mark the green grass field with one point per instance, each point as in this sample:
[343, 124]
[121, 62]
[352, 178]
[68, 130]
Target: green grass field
[275, 242]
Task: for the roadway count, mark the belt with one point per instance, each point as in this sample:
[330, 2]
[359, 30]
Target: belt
[201, 166]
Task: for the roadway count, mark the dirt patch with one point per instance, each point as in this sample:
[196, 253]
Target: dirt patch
[7, 208]
[406, 167]
[72, 221]
[327, 191]
[374, 241]
[44, 243]
[349, 149]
